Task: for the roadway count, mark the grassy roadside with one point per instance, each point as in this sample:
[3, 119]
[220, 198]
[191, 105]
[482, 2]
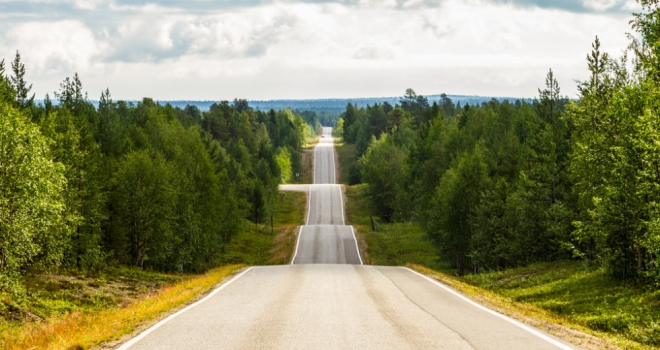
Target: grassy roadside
[77, 312]
[82, 330]
[345, 156]
[256, 245]
[572, 301]
[562, 326]
[308, 160]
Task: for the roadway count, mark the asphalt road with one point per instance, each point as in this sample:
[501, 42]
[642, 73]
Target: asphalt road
[327, 244]
[324, 159]
[325, 205]
[327, 300]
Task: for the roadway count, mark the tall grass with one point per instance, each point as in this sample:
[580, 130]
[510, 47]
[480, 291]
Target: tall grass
[82, 330]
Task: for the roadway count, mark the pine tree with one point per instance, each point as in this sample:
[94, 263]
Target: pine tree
[18, 81]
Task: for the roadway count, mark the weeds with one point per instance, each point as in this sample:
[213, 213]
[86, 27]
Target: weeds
[81, 330]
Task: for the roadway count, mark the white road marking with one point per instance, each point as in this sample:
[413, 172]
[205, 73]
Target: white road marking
[295, 252]
[495, 313]
[334, 175]
[309, 204]
[132, 342]
[314, 165]
[356, 245]
[341, 201]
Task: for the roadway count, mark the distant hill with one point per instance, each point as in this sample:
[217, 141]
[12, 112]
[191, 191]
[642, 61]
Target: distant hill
[331, 104]
[337, 104]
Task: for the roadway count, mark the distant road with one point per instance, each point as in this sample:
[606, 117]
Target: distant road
[327, 300]
[324, 159]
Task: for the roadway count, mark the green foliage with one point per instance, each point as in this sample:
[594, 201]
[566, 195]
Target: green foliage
[7, 92]
[32, 210]
[19, 84]
[283, 159]
[339, 127]
[458, 196]
[615, 165]
[144, 204]
[382, 167]
[141, 184]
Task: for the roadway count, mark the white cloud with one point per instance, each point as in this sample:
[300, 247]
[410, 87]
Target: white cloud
[600, 5]
[373, 53]
[54, 47]
[286, 49]
[87, 4]
[632, 5]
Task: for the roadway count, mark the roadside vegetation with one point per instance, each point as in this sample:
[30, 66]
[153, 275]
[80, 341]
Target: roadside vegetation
[78, 322]
[60, 311]
[256, 245]
[306, 176]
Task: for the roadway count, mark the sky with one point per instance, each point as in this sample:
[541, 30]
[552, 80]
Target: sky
[273, 49]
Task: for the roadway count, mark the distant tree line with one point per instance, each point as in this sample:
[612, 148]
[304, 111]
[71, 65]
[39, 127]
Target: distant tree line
[139, 184]
[504, 184]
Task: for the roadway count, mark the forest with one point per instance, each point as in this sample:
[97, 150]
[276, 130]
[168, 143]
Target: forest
[137, 184]
[504, 184]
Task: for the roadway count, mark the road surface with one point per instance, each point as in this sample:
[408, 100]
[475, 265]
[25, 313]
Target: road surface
[324, 159]
[327, 300]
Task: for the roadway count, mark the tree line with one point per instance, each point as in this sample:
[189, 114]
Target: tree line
[504, 184]
[139, 184]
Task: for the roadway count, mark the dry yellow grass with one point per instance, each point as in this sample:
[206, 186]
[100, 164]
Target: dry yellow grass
[84, 330]
[529, 314]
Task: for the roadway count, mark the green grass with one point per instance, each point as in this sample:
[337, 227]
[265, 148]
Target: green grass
[256, 245]
[390, 244]
[48, 295]
[586, 296]
[345, 157]
[308, 160]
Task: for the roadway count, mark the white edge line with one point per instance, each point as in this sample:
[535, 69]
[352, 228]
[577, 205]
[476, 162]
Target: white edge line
[356, 245]
[506, 318]
[132, 342]
[295, 253]
[334, 169]
[341, 201]
[314, 164]
[309, 205]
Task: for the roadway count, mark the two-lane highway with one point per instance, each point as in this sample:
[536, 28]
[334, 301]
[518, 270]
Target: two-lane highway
[325, 238]
[327, 300]
[324, 159]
